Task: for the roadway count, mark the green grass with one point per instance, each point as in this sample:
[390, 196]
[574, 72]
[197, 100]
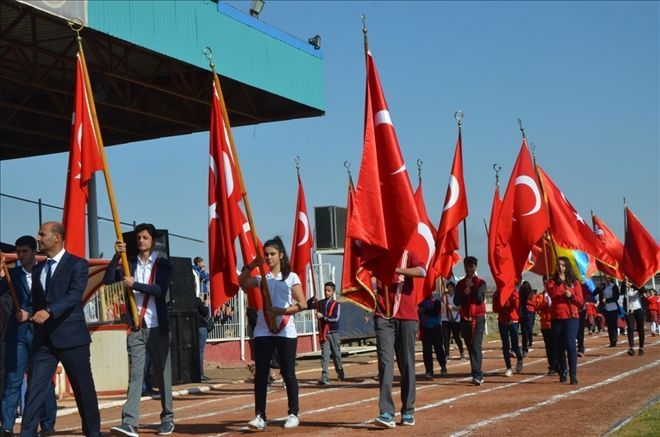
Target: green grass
[646, 424]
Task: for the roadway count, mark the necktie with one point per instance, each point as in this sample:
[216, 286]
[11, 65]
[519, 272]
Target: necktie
[49, 273]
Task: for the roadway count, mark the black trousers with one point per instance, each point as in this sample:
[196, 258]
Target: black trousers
[452, 329]
[432, 342]
[286, 349]
[612, 330]
[636, 317]
[76, 362]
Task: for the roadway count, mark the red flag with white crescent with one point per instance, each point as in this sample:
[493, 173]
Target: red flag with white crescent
[84, 160]
[301, 251]
[225, 216]
[455, 210]
[523, 216]
[384, 216]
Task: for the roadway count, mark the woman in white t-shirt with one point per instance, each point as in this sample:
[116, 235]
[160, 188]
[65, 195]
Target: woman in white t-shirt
[287, 298]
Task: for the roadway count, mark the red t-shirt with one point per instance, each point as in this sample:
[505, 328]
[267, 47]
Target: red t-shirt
[402, 296]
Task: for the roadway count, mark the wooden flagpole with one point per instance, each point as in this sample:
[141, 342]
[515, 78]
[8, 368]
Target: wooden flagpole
[77, 27]
[248, 211]
[311, 264]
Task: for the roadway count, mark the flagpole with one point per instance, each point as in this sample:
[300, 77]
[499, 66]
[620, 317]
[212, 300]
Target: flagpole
[77, 27]
[458, 115]
[246, 203]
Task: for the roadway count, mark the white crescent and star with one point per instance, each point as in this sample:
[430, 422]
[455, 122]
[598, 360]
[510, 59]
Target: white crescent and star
[229, 179]
[526, 180]
[454, 192]
[303, 218]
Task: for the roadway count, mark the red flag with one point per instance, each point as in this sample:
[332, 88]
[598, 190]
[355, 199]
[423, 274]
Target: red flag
[641, 254]
[84, 160]
[355, 281]
[301, 250]
[226, 219]
[523, 218]
[384, 215]
[612, 244]
[453, 213]
[422, 243]
[499, 257]
[567, 228]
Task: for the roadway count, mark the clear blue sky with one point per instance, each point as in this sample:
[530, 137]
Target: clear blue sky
[583, 77]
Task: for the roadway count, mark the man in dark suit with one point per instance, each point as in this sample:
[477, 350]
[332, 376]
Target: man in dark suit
[18, 338]
[60, 332]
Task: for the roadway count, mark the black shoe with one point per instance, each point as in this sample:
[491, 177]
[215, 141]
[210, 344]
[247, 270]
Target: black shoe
[5, 433]
[551, 372]
[204, 378]
[166, 428]
[562, 376]
[46, 432]
[631, 352]
[574, 380]
[340, 375]
[443, 371]
[641, 351]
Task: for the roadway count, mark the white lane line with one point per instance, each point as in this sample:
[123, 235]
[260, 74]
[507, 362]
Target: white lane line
[553, 400]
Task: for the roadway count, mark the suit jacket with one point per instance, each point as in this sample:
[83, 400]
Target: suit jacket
[66, 327]
[17, 330]
[157, 290]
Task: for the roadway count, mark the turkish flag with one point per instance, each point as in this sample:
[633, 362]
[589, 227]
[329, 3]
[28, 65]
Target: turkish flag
[422, 243]
[455, 210]
[641, 254]
[523, 218]
[84, 160]
[301, 250]
[226, 220]
[499, 257]
[568, 228]
[356, 281]
[384, 215]
[612, 244]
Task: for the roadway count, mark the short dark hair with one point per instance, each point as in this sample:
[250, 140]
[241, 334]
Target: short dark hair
[151, 229]
[470, 260]
[197, 259]
[331, 285]
[451, 284]
[27, 240]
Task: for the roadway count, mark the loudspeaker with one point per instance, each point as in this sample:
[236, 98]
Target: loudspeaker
[161, 246]
[182, 289]
[184, 347]
[330, 227]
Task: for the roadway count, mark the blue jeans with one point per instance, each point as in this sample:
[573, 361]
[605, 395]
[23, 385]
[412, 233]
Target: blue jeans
[564, 332]
[16, 362]
[203, 335]
[509, 332]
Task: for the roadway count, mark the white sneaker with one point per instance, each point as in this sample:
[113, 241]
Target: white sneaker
[292, 421]
[257, 424]
[508, 372]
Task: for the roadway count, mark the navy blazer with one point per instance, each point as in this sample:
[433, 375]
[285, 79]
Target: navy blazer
[17, 330]
[157, 290]
[66, 327]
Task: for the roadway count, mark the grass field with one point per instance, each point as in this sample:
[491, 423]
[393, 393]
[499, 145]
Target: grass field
[645, 424]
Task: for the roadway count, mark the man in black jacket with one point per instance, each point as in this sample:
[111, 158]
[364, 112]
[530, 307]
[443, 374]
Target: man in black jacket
[60, 332]
[149, 280]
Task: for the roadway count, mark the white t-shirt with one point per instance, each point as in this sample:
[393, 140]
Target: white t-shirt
[280, 296]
